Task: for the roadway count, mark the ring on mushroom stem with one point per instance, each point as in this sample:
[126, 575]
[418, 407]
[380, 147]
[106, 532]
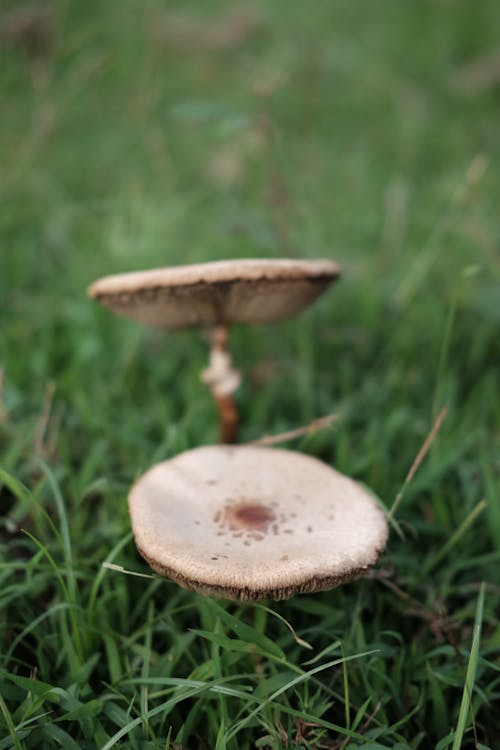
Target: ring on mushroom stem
[223, 381]
[217, 294]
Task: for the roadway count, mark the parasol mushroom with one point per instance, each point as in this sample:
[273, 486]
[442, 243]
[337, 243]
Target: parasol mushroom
[250, 522]
[217, 295]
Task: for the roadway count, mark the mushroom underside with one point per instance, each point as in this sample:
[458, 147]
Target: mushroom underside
[256, 301]
[247, 593]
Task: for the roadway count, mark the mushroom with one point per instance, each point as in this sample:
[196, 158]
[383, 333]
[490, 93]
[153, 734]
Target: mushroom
[217, 295]
[250, 522]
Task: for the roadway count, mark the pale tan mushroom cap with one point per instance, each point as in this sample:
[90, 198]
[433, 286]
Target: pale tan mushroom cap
[227, 291]
[249, 522]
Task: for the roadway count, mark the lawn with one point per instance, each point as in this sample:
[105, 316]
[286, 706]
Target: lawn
[135, 135]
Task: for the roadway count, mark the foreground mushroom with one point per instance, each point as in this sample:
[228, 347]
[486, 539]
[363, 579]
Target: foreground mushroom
[248, 522]
[217, 295]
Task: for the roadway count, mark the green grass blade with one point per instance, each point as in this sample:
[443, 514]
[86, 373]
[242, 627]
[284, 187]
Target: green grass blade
[470, 676]
[292, 683]
[455, 537]
[10, 725]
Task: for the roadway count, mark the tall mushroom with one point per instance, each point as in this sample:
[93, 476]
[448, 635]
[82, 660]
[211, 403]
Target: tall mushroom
[216, 295]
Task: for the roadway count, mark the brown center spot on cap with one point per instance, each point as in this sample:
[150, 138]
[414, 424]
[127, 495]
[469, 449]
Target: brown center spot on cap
[245, 518]
[252, 516]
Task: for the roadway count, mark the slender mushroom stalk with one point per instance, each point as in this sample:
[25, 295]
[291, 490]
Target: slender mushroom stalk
[223, 380]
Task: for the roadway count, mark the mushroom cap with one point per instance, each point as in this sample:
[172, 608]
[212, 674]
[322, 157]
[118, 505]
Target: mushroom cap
[226, 291]
[250, 522]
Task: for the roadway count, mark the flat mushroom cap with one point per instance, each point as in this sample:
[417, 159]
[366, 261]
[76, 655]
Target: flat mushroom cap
[227, 291]
[249, 522]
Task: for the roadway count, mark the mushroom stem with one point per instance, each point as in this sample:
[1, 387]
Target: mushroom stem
[223, 380]
[228, 419]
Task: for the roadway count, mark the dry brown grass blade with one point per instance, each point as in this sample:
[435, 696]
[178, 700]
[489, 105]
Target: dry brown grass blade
[187, 33]
[47, 428]
[419, 458]
[309, 429]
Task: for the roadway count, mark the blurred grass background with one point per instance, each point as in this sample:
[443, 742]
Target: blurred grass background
[135, 135]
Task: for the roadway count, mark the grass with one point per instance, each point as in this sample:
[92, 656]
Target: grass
[141, 134]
